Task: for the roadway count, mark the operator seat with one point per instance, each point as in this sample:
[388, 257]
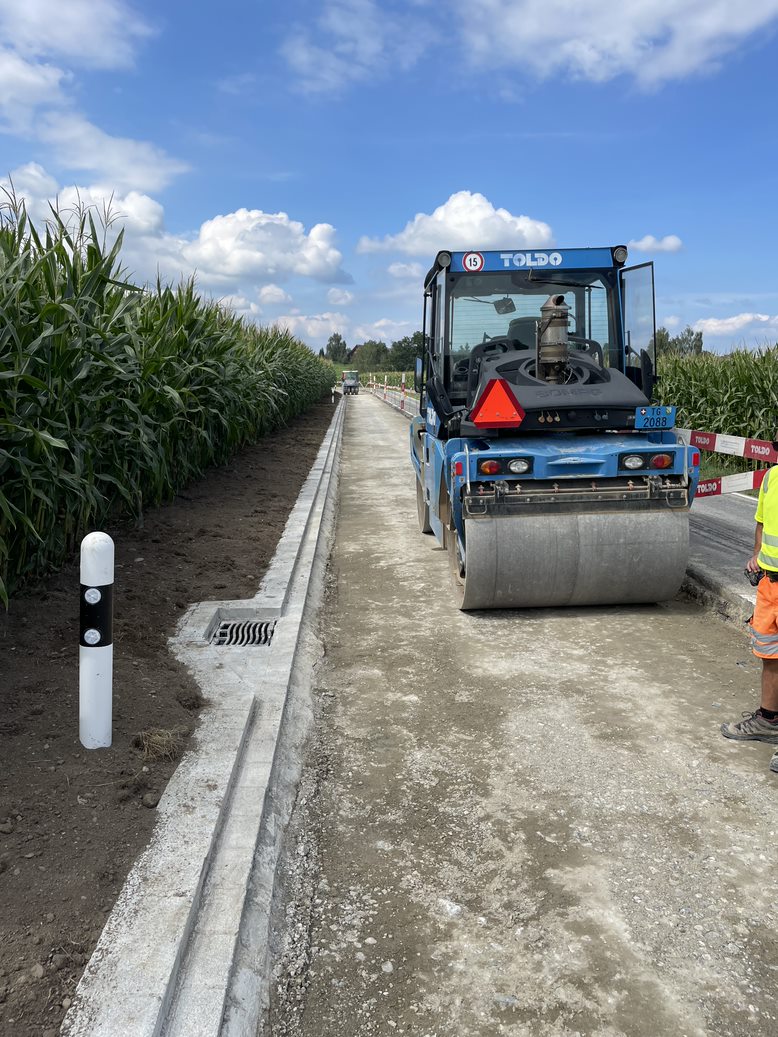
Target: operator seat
[523, 331]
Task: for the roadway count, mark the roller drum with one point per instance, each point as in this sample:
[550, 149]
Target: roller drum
[588, 558]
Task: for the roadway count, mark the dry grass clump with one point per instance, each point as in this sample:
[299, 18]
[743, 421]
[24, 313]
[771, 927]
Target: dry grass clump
[159, 743]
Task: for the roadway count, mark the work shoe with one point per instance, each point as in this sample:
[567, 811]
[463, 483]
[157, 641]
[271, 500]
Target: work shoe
[752, 728]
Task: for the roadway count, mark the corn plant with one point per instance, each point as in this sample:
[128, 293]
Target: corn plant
[736, 394]
[113, 397]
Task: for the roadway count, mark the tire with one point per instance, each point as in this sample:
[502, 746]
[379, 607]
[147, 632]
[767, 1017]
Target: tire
[422, 510]
[455, 567]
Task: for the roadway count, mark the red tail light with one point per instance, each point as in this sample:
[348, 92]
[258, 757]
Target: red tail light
[661, 460]
[490, 467]
[497, 407]
[696, 457]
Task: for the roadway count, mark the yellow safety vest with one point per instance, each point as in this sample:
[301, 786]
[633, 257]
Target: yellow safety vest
[767, 514]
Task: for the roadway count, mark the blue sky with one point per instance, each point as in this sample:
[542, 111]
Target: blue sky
[307, 159]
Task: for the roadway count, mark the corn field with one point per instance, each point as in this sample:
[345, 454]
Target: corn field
[112, 397]
[393, 379]
[736, 394]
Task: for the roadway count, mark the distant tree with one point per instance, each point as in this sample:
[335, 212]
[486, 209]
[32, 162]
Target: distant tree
[403, 352]
[370, 356]
[321, 352]
[662, 341]
[336, 349]
[687, 343]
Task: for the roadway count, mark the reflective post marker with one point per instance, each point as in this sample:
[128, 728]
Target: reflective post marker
[402, 401]
[385, 377]
[95, 676]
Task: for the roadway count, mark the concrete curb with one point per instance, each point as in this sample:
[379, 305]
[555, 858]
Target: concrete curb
[165, 960]
[719, 595]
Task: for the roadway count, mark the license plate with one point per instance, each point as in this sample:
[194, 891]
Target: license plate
[654, 417]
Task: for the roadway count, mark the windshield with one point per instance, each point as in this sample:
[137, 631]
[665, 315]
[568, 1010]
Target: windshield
[499, 305]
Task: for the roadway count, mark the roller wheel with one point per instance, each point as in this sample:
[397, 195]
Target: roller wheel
[456, 567]
[422, 510]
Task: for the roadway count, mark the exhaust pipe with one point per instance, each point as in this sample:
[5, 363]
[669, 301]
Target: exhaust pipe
[552, 342]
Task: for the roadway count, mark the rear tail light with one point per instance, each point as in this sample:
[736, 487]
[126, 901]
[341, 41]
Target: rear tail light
[490, 467]
[696, 458]
[661, 461]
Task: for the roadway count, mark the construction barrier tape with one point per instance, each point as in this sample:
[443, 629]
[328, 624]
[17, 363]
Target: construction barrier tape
[730, 483]
[714, 442]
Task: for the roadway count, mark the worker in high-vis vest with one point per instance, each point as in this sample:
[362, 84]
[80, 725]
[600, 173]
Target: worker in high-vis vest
[762, 724]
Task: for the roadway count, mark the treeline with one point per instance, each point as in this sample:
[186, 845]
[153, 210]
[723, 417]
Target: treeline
[373, 355]
[687, 343]
[114, 397]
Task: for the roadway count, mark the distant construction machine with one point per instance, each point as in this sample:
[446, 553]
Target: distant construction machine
[350, 383]
[541, 464]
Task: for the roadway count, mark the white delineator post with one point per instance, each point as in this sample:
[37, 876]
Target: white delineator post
[385, 378]
[95, 676]
[402, 401]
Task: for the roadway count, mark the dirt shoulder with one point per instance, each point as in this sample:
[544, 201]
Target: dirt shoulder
[71, 821]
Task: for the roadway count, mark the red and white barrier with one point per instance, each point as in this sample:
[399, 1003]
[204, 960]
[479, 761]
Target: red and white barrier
[730, 483]
[737, 446]
[400, 397]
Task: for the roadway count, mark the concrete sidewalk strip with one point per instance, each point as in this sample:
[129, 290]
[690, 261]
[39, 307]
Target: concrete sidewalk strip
[164, 960]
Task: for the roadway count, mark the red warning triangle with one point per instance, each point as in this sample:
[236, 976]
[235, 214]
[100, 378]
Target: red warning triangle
[497, 407]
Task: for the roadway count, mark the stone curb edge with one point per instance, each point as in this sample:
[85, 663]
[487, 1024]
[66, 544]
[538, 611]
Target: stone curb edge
[129, 982]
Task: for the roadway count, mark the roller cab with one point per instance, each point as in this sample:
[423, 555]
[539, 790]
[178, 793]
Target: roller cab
[541, 464]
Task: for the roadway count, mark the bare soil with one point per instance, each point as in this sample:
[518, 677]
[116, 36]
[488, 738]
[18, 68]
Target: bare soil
[73, 821]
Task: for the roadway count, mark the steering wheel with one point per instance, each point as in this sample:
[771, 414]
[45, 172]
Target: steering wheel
[592, 348]
[489, 345]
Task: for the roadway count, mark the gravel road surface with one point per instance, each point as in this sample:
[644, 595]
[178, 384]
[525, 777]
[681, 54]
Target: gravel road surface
[521, 822]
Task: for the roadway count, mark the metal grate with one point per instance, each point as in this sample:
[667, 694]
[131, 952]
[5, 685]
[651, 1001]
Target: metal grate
[240, 633]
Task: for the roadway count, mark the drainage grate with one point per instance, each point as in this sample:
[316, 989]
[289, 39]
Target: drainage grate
[240, 633]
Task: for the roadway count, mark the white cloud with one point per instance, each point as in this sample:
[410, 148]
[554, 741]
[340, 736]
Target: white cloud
[140, 215]
[241, 305]
[97, 33]
[411, 271]
[654, 41]
[34, 185]
[37, 97]
[79, 144]
[672, 323]
[314, 328]
[384, 330]
[754, 322]
[24, 86]
[264, 246]
[354, 40]
[648, 243]
[272, 295]
[466, 220]
[240, 253]
[339, 297]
